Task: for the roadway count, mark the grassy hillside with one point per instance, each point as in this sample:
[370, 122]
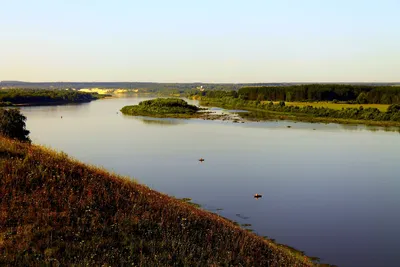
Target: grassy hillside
[57, 211]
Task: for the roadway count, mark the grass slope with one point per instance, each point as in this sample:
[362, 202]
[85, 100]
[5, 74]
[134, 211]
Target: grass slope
[57, 211]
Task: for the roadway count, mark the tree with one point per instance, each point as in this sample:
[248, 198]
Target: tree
[385, 99]
[12, 124]
[362, 98]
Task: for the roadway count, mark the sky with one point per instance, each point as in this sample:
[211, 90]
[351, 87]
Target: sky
[215, 41]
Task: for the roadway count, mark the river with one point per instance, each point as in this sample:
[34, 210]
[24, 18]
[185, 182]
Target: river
[329, 190]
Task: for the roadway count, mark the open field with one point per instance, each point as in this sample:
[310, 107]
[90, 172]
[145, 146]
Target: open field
[381, 107]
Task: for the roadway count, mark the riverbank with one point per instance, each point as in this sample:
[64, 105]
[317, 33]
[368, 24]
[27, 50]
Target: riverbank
[259, 115]
[57, 210]
[37, 97]
[261, 111]
[56, 103]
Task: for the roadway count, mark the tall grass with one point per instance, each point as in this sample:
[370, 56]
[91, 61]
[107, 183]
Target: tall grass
[337, 106]
[57, 211]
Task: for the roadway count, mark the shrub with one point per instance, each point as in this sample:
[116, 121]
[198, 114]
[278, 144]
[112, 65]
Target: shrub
[12, 124]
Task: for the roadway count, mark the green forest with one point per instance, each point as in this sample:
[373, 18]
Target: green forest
[36, 96]
[352, 94]
[360, 94]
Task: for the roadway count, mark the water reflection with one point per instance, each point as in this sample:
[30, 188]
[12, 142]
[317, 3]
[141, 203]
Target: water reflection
[357, 127]
[157, 121]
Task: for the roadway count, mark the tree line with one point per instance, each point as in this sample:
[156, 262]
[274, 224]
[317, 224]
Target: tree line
[20, 96]
[360, 94]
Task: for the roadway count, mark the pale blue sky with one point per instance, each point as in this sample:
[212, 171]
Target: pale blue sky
[205, 41]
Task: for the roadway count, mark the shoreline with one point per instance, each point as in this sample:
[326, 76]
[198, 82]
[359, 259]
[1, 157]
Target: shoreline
[56, 103]
[244, 117]
[208, 115]
[294, 117]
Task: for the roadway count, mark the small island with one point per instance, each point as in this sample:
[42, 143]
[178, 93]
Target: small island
[162, 108]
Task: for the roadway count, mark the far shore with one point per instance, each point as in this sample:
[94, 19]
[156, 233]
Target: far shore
[53, 103]
[272, 115]
[47, 103]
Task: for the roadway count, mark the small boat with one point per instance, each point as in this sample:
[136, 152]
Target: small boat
[257, 195]
[201, 159]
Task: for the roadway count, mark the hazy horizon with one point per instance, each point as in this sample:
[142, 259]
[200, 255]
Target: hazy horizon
[198, 82]
[200, 42]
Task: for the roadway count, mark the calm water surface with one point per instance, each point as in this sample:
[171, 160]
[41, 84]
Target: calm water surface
[329, 190]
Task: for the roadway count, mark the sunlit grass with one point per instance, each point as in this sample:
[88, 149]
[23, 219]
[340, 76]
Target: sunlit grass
[381, 107]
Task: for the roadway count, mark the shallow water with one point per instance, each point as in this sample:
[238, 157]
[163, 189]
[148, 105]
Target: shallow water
[329, 190]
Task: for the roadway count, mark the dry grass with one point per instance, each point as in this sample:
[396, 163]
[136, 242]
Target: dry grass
[58, 211]
[381, 107]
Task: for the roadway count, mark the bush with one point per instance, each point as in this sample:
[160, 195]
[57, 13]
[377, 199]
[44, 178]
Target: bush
[161, 107]
[12, 124]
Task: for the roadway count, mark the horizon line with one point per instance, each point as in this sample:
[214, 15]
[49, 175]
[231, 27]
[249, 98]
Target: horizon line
[198, 82]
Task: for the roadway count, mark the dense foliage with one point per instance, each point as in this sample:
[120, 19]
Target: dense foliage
[19, 96]
[59, 212]
[362, 94]
[161, 107]
[357, 113]
[12, 124]
[218, 94]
